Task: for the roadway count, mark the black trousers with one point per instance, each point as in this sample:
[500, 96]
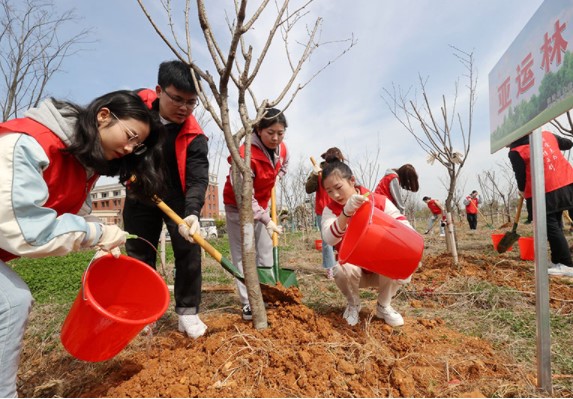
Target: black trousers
[558, 245]
[472, 220]
[146, 221]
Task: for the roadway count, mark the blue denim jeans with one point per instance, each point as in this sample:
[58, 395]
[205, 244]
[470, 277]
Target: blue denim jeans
[431, 222]
[15, 304]
[328, 260]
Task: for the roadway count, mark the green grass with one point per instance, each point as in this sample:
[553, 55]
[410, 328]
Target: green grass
[54, 279]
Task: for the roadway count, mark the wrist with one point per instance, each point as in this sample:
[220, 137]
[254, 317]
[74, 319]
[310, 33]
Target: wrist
[344, 213]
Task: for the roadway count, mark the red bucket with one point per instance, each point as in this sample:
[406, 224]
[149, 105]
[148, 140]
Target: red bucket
[118, 298]
[379, 243]
[496, 238]
[526, 251]
[318, 245]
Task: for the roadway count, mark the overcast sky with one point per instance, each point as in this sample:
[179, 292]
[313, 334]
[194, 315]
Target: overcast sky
[397, 40]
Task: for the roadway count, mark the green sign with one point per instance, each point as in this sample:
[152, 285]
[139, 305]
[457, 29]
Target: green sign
[533, 82]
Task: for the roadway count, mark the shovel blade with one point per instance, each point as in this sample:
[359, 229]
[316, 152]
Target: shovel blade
[266, 275]
[287, 278]
[507, 241]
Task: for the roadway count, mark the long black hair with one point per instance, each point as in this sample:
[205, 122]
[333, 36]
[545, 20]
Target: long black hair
[86, 142]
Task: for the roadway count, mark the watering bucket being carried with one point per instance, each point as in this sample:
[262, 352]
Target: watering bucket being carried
[117, 299]
[379, 243]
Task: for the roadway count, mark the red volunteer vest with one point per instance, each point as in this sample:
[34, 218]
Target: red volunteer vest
[472, 207]
[434, 208]
[265, 175]
[558, 171]
[187, 134]
[384, 185]
[321, 197]
[66, 178]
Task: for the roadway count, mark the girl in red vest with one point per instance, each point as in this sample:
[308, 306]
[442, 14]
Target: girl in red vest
[394, 180]
[49, 162]
[346, 197]
[558, 192]
[314, 184]
[438, 211]
[269, 158]
[471, 203]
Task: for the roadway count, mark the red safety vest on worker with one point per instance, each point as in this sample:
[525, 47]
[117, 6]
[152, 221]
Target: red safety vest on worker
[472, 207]
[321, 198]
[187, 134]
[384, 185]
[65, 177]
[434, 208]
[379, 202]
[558, 171]
[265, 175]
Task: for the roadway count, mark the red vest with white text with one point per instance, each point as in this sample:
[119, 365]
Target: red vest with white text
[558, 171]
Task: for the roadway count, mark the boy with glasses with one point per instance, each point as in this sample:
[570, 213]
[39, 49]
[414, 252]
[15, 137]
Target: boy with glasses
[186, 166]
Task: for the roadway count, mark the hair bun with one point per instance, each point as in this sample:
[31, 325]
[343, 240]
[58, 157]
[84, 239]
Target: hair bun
[333, 154]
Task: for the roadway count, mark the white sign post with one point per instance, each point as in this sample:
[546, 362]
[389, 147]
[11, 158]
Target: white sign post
[529, 86]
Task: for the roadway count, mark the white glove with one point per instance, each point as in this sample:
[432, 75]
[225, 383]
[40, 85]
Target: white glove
[273, 228]
[114, 251]
[111, 238]
[190, 227]
[353, 203]
[316, 169]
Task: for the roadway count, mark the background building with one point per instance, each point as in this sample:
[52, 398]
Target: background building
[108, 200]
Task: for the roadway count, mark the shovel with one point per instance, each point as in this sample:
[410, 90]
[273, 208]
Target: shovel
[271, 293]
[276, 274]
[487, 224]
[510, 237]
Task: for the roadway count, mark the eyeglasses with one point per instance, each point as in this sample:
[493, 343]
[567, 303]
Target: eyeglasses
[138, 148]
[179, 102]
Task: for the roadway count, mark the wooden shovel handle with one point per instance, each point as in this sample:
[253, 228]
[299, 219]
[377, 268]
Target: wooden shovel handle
[518, 213]
[196, 237]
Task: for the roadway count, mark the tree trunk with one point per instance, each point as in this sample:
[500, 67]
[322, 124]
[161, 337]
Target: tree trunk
[249, 259]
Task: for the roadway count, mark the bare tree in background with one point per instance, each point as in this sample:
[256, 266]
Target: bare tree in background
[32, 50]
[294, 197]
[367, 170]
[566, 130]
[444, 134]
[499, 190]
[238, 61]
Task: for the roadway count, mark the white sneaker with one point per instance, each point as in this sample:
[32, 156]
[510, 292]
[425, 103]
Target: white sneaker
[558, 269]
[247, 312]
[351, 315]
[390, 316]
[192, 325]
